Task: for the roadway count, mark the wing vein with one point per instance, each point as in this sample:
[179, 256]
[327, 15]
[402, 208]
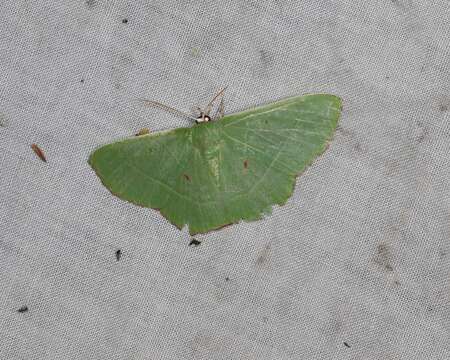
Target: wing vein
[256, 149]
[161, 183]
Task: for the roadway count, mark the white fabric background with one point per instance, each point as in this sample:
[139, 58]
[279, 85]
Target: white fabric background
[360, 253]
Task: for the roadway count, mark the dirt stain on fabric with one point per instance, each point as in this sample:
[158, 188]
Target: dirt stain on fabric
[266, 61]
[383, 257]
[263, 256]
[401, 4]
[344, 131]
[422, 132]
[201, 343]
[350, 136]
[3, 122]
[358, 147]
[195, 52]
[91, 3]
[266, 57]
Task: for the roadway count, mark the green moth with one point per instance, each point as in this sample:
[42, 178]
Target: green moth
[217, 173]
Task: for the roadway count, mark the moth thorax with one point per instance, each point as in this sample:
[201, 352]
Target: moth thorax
[202, 118]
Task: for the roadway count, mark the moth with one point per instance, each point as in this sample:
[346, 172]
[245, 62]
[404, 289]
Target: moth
[224, 168]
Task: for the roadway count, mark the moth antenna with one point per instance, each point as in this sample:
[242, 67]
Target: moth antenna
[209, 106]
[167, 108]
[220, 111]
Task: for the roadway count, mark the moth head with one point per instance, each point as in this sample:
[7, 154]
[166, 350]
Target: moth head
[202, 118]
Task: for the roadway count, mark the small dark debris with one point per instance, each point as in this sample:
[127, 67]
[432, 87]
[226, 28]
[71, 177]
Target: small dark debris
[38, 151]
[124, 21]
[246, 164]
[187, 177]
[227, 279]
[346, 344]
[118, 254]
[23, 309]
[82, 81]
[194, 242]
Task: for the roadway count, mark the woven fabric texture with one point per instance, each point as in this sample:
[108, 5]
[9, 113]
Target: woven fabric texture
[354, 266]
